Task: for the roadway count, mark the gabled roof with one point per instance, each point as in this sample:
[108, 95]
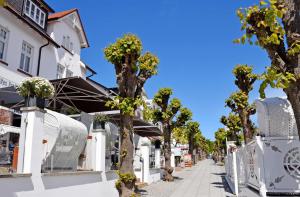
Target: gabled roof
[60, 15]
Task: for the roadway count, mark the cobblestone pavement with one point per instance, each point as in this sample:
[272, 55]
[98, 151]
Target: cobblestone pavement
[203, 180]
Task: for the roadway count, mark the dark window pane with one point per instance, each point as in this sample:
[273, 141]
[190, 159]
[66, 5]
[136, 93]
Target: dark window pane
[22, 61]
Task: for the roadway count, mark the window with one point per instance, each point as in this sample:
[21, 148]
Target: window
[3, 42]
[60, 71]
[26, 57]
[69, 73]
[67, 43]
[35, 13]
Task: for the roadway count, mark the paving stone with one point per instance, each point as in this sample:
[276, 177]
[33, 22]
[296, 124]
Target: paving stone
[206, 179]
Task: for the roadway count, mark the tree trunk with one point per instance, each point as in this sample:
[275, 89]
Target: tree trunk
[168, 170]
[293, 94]
[126, 156]
[246, 122]
[191, 150]
[291, 21]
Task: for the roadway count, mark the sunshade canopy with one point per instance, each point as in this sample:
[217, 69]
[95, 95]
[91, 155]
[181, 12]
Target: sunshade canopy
[80, 94]
[141, 127]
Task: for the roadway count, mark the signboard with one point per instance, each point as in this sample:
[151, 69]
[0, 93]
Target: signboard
[5, 82]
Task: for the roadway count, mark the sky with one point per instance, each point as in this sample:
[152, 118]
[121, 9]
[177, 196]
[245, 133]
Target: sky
[192, 38]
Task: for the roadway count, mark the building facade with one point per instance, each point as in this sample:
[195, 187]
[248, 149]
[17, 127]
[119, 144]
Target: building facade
[36, 41]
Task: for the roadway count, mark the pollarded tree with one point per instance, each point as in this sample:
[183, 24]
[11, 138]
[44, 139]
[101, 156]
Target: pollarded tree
[132, 71]
[234, 125]
[171, 115]
[275, 26]
[239, 101]
[193, 136]
[220, 142]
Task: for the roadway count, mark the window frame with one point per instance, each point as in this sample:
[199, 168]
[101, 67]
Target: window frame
[62, 73]
[31, 10]
[68, 72]
[22, 65]
[5, 41]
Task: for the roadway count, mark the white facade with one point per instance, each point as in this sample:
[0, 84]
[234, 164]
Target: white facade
[18, 32]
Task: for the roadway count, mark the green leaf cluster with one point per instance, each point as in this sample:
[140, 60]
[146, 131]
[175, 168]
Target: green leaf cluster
[125, 105]
[130, 44]
[275, 79]
[262, 19]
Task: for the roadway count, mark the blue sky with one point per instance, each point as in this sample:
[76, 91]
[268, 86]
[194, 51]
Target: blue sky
[192, 38]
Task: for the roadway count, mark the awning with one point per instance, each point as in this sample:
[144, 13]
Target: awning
[80, 94]
[141, 127]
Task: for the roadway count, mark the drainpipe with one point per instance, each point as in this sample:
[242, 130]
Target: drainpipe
[39, 60]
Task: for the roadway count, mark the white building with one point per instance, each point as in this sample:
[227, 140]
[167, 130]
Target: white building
[35, 41]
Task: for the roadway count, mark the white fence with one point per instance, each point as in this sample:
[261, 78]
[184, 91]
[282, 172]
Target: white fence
[271, 165]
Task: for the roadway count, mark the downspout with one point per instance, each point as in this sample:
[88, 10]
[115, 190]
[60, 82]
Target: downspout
[39, 60]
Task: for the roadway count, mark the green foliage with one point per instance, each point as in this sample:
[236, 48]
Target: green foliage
[220, 139]
[125, 105]
[148, 63]
[233, 124]
[184, 116]
[275, 79]
[129, 45]
[244, 77]
[262, 19]
[266, 22]
[162, 96]
[169, 109]
[180, 135]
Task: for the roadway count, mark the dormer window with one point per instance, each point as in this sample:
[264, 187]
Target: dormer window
[35, 13]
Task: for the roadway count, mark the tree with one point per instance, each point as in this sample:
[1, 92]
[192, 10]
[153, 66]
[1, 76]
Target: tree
[194, 137]
[275, 27]
[179, 134]
[220, 142]
[172, 115]
[238, 102]
[234, 126]
[132, 71]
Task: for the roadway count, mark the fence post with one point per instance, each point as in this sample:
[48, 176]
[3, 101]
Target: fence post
[235, 175]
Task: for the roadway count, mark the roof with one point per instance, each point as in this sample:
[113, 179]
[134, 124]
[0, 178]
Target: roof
[78, 93]
[62, 14]
[59, 15]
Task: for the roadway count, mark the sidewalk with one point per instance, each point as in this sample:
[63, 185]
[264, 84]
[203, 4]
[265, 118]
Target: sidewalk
[203, 180]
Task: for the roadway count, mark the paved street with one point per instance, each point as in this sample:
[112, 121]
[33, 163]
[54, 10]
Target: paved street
[203, 180]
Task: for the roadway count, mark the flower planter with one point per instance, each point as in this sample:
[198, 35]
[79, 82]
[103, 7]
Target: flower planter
[35, 102]
[99, 125]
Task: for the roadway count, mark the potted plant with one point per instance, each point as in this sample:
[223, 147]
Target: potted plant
[99, 121]
[35, 91]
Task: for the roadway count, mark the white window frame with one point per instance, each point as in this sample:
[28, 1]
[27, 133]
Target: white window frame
[4, 41]
[69, 73]
[60, 73]
[68, 44]
[25, 54]
[34, 13]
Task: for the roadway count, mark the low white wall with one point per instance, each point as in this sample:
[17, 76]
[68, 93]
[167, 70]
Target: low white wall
[59, 185]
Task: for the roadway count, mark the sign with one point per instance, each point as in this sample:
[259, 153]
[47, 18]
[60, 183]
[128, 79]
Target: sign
[5, 82]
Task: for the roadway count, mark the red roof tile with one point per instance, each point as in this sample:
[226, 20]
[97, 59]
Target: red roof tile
[59, 15]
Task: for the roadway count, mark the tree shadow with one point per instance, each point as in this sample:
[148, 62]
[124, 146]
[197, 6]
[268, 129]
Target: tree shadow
[178, 178]
[219, 174]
